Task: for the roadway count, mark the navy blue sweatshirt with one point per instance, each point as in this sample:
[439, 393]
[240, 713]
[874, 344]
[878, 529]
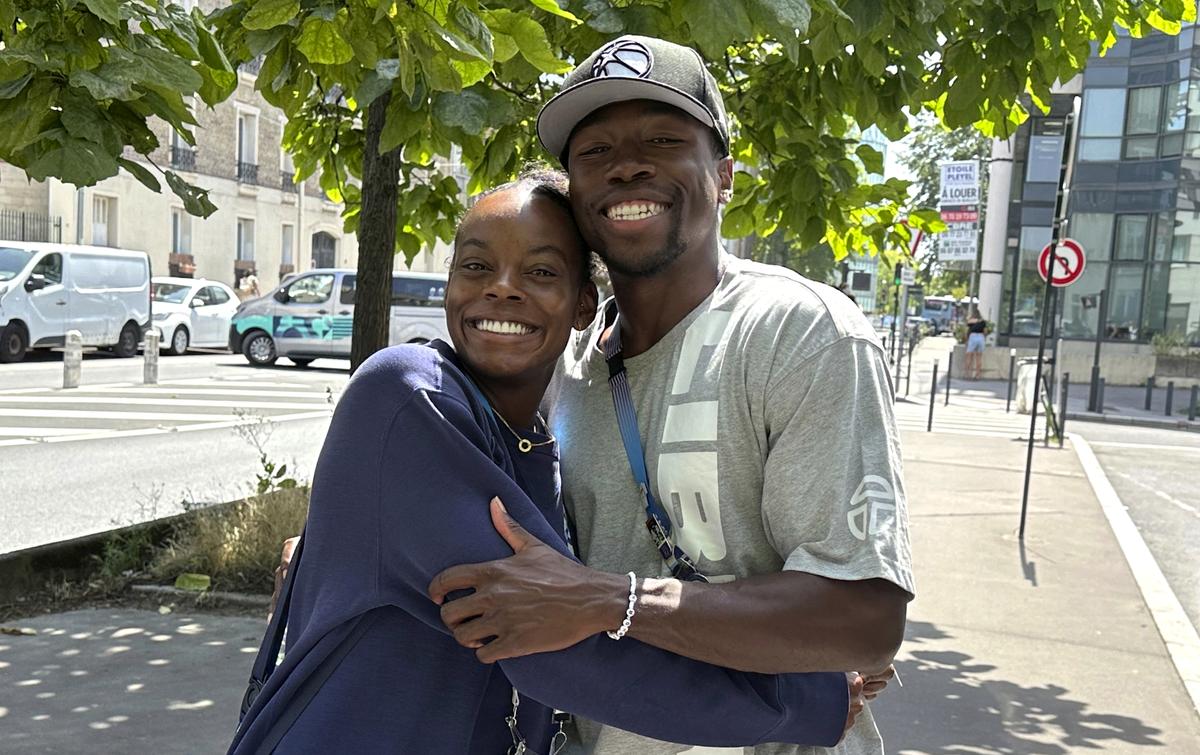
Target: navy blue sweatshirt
[401, 492]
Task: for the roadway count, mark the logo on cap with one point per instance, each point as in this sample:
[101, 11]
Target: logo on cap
[623, 58]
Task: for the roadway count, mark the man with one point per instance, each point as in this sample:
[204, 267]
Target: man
[763, 402]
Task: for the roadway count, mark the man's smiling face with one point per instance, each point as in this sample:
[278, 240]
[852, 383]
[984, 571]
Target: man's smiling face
[645, 184]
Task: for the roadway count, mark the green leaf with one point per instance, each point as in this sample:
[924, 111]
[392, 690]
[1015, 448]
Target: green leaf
[715, 24]
[74, 161]
[401, 124]
[871, 158]
[550, 6]
[530, 38]
[195, 199]
[602, 17]
[476, 31]
[10, 89]
[138, 171]
[373, 86]
[791, 15]
[265, 14]
[103, 84]
[466, 109]
[324, 42]
[108, 11]
[826, 45]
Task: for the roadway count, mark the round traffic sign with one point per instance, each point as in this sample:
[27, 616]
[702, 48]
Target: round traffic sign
[1069, 265]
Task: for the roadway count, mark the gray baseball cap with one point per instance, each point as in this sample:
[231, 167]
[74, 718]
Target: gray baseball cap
[633, 68]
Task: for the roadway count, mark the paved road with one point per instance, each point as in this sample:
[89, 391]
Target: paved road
[1154, 473]
[113, 451]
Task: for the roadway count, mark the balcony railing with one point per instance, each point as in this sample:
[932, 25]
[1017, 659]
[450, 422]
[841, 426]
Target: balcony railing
[183, 158]
[247, 173]
[287, 182]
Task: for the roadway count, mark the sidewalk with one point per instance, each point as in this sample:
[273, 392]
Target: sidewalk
[1045, 647]
[1041, 648]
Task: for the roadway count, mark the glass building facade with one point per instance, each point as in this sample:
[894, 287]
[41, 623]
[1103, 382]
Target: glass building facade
[1134, 202]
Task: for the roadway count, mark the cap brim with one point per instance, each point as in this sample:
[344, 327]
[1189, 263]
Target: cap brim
[565, 110]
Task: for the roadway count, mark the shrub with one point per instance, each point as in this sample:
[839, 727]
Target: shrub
[236, 544]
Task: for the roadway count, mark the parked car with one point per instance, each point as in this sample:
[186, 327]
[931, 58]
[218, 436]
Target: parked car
[192, 312]
[48, 289]
[312, 316]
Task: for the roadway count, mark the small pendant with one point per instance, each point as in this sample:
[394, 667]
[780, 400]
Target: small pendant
[524, 445]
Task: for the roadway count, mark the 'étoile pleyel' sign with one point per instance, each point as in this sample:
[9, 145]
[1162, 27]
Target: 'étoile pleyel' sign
[960, 183]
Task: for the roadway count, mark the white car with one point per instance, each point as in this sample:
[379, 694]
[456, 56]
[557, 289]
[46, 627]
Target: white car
[192, 312]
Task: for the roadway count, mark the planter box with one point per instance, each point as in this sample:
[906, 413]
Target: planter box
[1177, 367]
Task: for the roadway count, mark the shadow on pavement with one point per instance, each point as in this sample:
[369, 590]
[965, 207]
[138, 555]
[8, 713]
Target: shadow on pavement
[952, 704]
[116, 680]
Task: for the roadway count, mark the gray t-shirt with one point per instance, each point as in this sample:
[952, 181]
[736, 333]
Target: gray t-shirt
[766, 418]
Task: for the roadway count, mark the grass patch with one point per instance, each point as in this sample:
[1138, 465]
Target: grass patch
[236, 544]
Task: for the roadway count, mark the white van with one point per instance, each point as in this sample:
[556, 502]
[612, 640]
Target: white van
[48, 289]
[311, 316]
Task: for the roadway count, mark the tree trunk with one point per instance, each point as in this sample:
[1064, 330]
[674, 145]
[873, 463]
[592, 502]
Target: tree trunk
[376, 241]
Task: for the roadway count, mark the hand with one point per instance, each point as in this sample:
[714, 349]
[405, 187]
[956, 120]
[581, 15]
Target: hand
[875, 683]
[855, 681]
[285, 560]
[532, 602]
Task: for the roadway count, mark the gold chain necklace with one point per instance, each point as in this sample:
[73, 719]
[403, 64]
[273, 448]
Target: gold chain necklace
[525, 445]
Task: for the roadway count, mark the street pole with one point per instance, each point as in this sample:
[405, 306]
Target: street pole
[72, 358]
[1055, 236]
[1101, 316]
[1012, 365]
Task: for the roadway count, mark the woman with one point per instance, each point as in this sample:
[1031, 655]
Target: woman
[976, 330]
[421, 441]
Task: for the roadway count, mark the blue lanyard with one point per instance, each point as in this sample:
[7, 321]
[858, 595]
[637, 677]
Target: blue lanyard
[658, 522]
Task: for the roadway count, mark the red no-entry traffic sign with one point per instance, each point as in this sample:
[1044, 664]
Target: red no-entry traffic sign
[1069, 266]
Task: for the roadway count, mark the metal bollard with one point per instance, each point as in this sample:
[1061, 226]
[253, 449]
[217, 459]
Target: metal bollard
[1170, 397]
[932, 397]
[1012, 365]
[72, 359]
[949, 373]
[1149, 391]
[150, 358]
[1192, 403]
[1062, 408]
[1100, 397]
[908, 374]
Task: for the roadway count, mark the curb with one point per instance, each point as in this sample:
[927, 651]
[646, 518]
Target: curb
[31, 569]
[1125, 419]
[233, 598]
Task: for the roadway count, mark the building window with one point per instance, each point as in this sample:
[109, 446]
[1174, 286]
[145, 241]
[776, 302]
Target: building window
[287, 173]
[1125, 303]
[287, 243]
[247, 148]
[1099, 105]
[1132, 233]
[245, 239]
[1144, 110]
[104, 221]
[181, 232]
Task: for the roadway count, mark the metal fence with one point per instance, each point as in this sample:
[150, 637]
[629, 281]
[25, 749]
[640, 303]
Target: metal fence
[18, 225]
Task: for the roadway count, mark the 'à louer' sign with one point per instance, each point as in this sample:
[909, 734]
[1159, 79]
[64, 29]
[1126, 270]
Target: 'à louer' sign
[960, 183]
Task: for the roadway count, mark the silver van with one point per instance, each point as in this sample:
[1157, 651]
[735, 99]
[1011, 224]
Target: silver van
[311, 316]
[48, 289]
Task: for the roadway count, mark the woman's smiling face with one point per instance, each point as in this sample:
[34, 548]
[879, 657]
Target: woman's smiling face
[518, 284]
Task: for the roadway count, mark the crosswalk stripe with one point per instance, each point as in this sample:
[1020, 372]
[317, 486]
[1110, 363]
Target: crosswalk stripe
[124, 401]
[95, 414]
[103, 434]
[27, 432]
[168, 391]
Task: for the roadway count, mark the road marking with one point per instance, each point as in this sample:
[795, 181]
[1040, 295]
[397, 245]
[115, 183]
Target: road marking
[1146, 446]
[167, 392]
[1160, 494]
[1180, 637]
[92, 414]
[122, 400]
[30, 432]
[104, 434]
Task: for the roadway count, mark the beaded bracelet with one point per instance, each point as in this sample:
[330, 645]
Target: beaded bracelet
[628, 611]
